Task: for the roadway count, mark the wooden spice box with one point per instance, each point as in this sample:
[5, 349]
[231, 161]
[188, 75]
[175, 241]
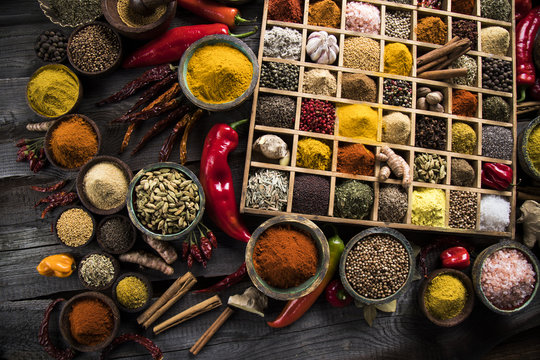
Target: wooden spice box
[408, 151]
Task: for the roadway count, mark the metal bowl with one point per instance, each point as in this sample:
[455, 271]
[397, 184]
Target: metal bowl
[149, 292]
[523, 155]
[310, 284]
[211, 40]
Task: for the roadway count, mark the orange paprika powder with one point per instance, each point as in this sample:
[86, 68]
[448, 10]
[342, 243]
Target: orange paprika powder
[90, 321]
[73, 142]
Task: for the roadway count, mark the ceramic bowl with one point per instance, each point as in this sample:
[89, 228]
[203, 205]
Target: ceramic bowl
[93, 228]
[212, 40]
[65, 324]
[80, 183]
[469, 304]
[300, 223]
[48, 136]
[145, 32]
[116, 267]
[477, 274]
[360, 237]
[58, 67]
[131, 198]
[132, 236]
[523, 155]
[148, 284]
[51, 13]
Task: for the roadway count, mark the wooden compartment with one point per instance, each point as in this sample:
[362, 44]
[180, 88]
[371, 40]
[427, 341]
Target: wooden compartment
[408, 150]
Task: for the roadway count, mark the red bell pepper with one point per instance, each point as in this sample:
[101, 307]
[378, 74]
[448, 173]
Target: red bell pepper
[170, 46]
[213, 11]
[456, 257]
[525, 34]
[522, 7]
[497, 176]
[336, 294]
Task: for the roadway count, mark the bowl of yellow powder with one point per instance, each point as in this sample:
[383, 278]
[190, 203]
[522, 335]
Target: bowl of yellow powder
[218, 72]
[132, 292]
[529, 149]
[446, 297]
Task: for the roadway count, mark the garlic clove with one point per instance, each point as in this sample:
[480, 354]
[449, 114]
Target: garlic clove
[332, 56]
[332, 40]
[317, 54]
[312, 45]
[323, 58]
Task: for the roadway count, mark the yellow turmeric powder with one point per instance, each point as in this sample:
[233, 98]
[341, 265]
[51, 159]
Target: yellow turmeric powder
[445, 297]
[313, 154]
[357, 121]
[533, 147]
[428, 207]
[218, 73]
[397, 59]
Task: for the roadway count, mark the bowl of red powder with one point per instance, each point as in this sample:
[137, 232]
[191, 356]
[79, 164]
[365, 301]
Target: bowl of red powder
[287, 257]
[505, 277]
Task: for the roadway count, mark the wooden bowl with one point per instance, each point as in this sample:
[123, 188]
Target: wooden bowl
[145, 32]
[523, 154]
[133, 236]
[361, 236]
[106, 71]
[80, 183]
[48, 135]
[65, 325]
[131, 198]
[52, 15]
[59, 67]
[149, 291]
[469, 304]
[310, 284]
[116, 267]
[477, 274]
[211, 40]
[93, 229]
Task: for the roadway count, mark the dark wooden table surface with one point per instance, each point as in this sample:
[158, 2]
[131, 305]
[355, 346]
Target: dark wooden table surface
[324, 332]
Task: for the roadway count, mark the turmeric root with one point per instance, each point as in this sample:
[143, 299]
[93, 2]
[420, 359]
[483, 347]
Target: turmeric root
[147, 260]
[42, 126]
[384, 173]
[397, 164]
[163, 248]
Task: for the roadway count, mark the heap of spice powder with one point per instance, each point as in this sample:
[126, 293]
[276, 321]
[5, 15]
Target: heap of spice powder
[132, 18]
[94, 48]
[462, 173]
[313, 154]
[463, 6]
[76, 12]
[361, 53]
[283, 43]
[320, 82]
[317, 116]
[358, 87]
[393, 203]
[311, 194]
[105, 185]
[495, 40]
[445, 297]
[74, 227]
[324, 13]
[73, 143]
[396, 128]
[285, 257]
[431, 29]
[362, 17]
[494, 213]
[464, 103]
[353, 200]
[357, 121]
[276, 111]
[496, 108]
[428, 207]
[131, 292]
[285, 10]
[97, 271]
[397, 59]
[463, 138]
[355, 159]
[533, 147]
[90, 321]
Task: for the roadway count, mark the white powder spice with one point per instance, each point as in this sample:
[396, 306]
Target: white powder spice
[495, 40]
[283, 43]
[494, 213]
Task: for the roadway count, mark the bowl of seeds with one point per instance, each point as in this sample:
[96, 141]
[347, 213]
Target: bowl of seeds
[98, 271]
[75, 227]
[94, 49]
[116, 234]
[132, 292]
[165, 201]
[376, 266]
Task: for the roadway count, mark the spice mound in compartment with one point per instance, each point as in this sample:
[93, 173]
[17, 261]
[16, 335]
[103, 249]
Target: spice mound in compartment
[285, 257]
[362, 17]
[358, 87]
[324, 13]
[463, 6]
[276, 111]
[267, 190]
[497, 142]
[508, 279]
[218, 73]
[317, 116]
[467, 62]
[53, 91]
[398, 23]
[74, 227]
[283, 43]
[166, 201]
[463, 173]
[94, 48]
[377, 266]
[131, 292]
[73, 143]
[311, 194]
[431, 29]
[496, 9]
[495, 40]
[90, 321]
[494, 213]
[445, 297]
[285, 10]
[115, 235]
[355, 159]
[105, 185]
[466, 29]
[463, 209]
[533, 147]
[97, 271]
[320, 82]
[393, 202]
[313, 154]
[353, 200]
[463, 138]
[396, 128]
[361, 53]
[357, 121]
[133, 19]
[496, 108]
[428, 207]
[397, 59]
[464, 103]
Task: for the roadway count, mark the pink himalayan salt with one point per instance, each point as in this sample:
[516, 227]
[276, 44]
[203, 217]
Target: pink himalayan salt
[362, 17]
[507, 279]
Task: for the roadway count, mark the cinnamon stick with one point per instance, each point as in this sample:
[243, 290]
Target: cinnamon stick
[452, 57]
[178, 289]
[197, 347]
[431, 64]
[450, 47]
[190, 313]
[443, 74]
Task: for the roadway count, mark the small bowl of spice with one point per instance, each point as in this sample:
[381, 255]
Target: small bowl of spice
[165, 201]
[132, 292]
[128, 22]
[218, 72]
[529, 149]
[446, 297]
[72, 141]
[376, 265]
[89, 321]
[300, 264]
[75, 227]
[98, 271]
[102, 184]
[66, 13]
[53, 90]
[94, 49]
[505, 277]
[116, 234]
[51, 46]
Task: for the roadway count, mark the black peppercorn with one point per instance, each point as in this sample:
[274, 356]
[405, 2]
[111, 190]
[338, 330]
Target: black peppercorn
[51, 46]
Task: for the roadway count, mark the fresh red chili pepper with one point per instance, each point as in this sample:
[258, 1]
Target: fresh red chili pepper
[456, 257]
[152, 348]
[170, 46]
[45, 340]
[525, 34]
[534, 91]
[336, 294]
[497, 176]
[50, 188]
[295, 309]
[227, 281]
[522, 7]
[213, 11]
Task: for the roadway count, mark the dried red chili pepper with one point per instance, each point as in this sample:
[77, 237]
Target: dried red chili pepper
[45, 340]
[210, 235]
[185, 249]
[152, 91]
[189, 261]
[456, 257]
[168, 144]
[215, 12]
[195, 251]
[183, 142]
[206, 246]
[32, 150]
[152, 348]
[50, 188]
[497, 176]
[227, 281]
[55, 200]
[150, 113]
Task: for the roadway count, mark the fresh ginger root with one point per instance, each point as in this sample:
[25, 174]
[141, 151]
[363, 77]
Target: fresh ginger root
[147, 260]
[163, 248]
[396, 163]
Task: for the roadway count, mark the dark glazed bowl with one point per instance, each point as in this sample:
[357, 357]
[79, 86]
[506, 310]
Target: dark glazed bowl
[523, 155]
[48, 135]
[65, 326]
[116, 267]
[149, 292]
[93, 229]
[359, 237]
[212, 40]
[145, 32]
[80, 182]
[133, 235]
[310, 284]
[469, 304]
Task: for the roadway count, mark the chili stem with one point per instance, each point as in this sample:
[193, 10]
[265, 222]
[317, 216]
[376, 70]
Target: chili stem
[234, 125]
[249, 33]
[240, 20]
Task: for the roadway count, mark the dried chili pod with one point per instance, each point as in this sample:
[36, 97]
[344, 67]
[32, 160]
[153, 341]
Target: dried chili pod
[189, 261]
[45, 340]
[152, 91]
[206, 248]
[167, 146]
[210, 235]
[195, 251]
[185, 249]
[152, 348]
[55, 200]
[227, 281]
[50, 188]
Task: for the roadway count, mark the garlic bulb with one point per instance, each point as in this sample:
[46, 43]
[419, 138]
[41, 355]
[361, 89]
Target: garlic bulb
[322, 48]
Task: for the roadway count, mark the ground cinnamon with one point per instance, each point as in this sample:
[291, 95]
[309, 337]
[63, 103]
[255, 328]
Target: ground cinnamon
[324, 13]
[285, 10]
[464, 103]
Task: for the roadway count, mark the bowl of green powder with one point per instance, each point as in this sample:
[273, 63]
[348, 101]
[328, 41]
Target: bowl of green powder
[132, 292]
[529, 149]
[218, 72]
